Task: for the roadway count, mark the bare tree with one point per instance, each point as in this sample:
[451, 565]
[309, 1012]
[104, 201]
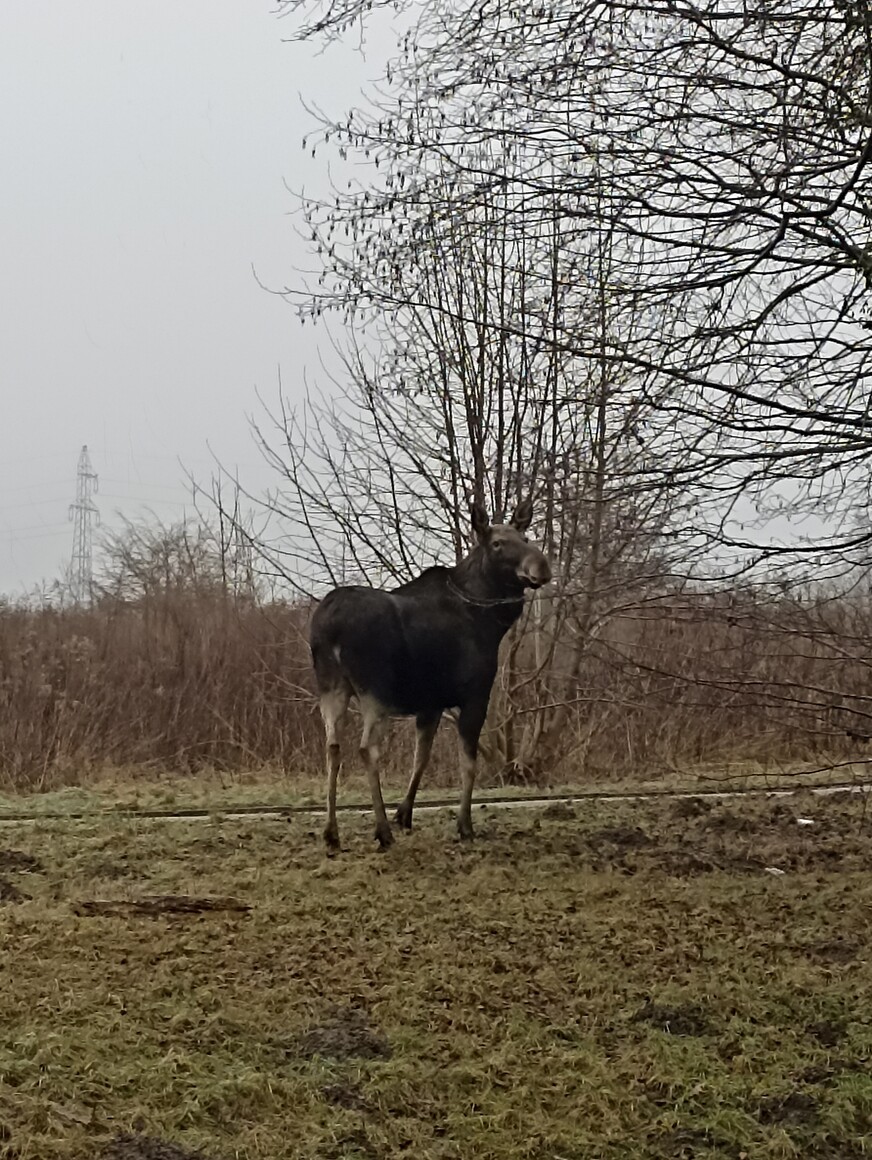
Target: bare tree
[459, 387]
[622, 249]
[728, 153]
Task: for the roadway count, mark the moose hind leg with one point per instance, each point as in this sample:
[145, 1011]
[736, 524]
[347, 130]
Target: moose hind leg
[333, 707]
[374, 718]
[426, 725]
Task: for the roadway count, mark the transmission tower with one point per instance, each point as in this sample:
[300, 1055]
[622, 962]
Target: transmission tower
[84, 514]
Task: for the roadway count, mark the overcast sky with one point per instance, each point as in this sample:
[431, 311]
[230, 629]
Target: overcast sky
[145, 149]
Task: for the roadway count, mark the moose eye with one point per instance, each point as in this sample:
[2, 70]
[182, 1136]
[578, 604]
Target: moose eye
[497, 545]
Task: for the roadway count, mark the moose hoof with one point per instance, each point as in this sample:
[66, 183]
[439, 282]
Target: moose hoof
[403, 816]
[383, 836]
[331, 839]
[465, 830]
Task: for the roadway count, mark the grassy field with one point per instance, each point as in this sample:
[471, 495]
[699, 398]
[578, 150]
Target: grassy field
[118, 790]
[603, 981]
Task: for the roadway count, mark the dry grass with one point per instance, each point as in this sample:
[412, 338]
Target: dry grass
[218, 794]
[609, 981]
[192, 680]
[184, 680]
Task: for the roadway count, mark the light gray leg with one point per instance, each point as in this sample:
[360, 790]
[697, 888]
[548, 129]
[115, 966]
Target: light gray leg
[333, 707]
[467, 772]
[374, 718]
[426, 731]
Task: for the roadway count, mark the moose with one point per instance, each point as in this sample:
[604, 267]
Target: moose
[418, 650]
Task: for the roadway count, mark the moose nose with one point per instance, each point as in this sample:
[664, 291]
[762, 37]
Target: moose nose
[536, 572]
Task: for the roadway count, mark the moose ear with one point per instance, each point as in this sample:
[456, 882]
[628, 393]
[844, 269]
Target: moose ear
[480, 522]
[522, 515]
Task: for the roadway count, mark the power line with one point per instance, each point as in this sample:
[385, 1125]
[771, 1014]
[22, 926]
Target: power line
[155, 501]
[30, 530]
[84, 514]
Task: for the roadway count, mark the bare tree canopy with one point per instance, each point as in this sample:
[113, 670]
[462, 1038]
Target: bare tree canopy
[623, 250]
[724, 153]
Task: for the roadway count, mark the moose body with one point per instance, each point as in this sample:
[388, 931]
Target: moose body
[419, 649]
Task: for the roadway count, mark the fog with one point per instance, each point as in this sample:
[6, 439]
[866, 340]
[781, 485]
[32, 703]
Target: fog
[147, 151]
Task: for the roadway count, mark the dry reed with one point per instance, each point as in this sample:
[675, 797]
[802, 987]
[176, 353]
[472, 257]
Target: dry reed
[194, 679]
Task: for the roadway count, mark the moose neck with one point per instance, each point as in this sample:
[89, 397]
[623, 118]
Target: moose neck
[486, 593]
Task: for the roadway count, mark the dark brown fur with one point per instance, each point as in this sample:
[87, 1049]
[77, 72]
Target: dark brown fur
[422, 648]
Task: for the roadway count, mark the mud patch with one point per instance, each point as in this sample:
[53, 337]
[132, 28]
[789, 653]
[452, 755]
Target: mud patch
[17, 861]
[724, 821]
[693, 807]
[559, 811]
[126, 1147]
[692, 837]
[353, 1143]
[685, 863]
[346, 1095]
[625, 837]
[836, 950]
[108, 869]
[682, 1019]
[828, 1032]
[680, 862]
[11, 893]
[684, 1143]
[347, 1035]
[795, 1108]
[158, 904]
[822, 1075]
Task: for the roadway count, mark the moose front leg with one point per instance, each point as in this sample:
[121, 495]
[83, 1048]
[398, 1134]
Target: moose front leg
[427, 724]
[469, 727]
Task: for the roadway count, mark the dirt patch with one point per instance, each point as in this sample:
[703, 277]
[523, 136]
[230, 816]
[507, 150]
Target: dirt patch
[18, 860]
[352, 1143]
[346, 1095]
[828, 1032]
[691, 808]
[685, 863]
[682, 1019]
[11, 893]
[781, 815]
[558, 811]
[157, 904]
[626, 837]
[747, 837]
[680, 862]
[684, 1143]
[126, 1147]
[725, 821]
[834, 950]
[347, 1035]
[823, 1074]
[692, 837]
[777, 817]
[795, 1108]
[108, 869]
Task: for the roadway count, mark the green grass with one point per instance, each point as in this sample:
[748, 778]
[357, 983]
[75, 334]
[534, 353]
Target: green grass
[603, 982]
